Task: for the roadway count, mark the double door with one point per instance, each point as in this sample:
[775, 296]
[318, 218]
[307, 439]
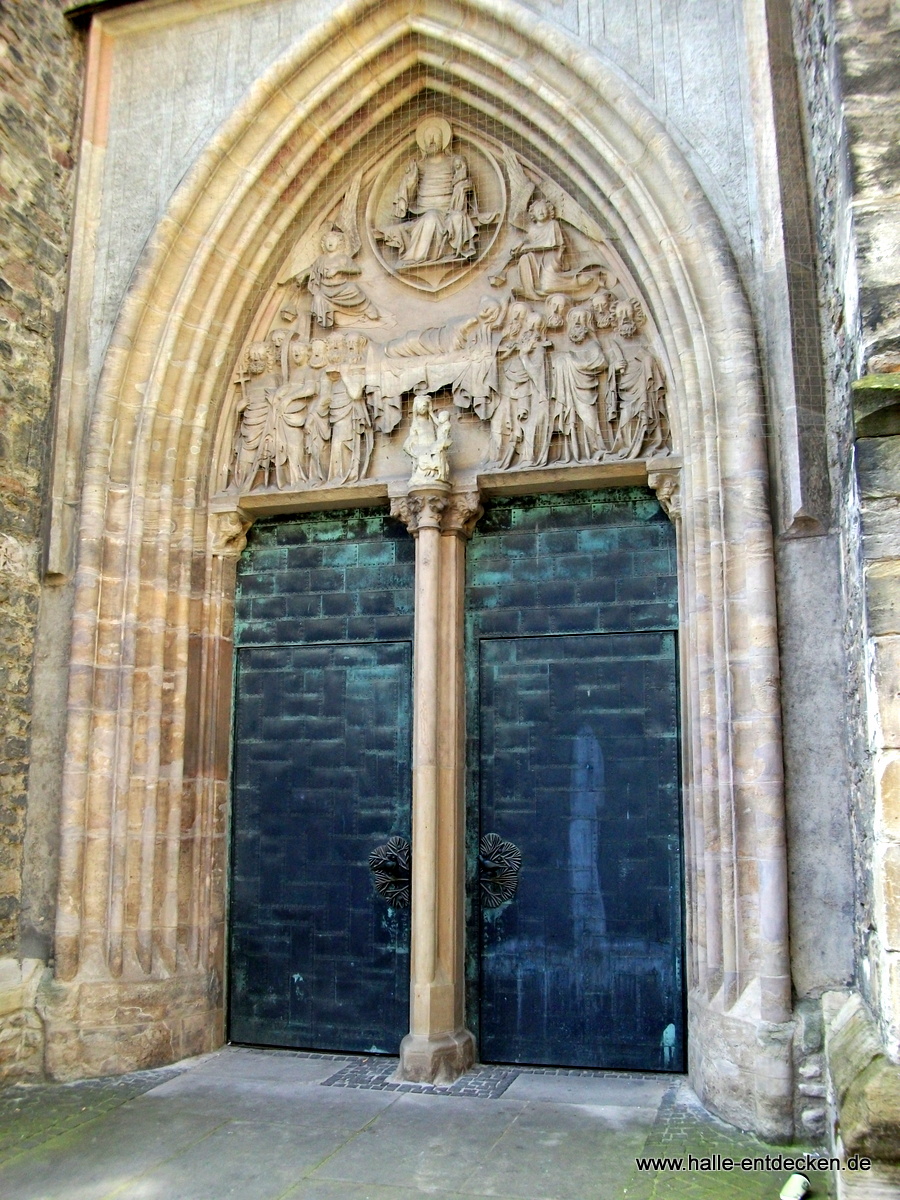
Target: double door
[574, 871]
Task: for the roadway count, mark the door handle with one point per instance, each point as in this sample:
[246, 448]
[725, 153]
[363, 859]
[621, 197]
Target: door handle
[499, 863]
[390, 867]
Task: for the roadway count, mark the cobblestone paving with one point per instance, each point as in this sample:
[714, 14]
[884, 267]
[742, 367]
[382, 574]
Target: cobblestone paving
[485, 1082]
[374, 1074]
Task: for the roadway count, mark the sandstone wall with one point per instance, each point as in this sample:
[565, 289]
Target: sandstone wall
[40, 89]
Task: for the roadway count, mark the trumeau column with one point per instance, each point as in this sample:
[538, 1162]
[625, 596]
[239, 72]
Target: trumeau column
[438, 1047]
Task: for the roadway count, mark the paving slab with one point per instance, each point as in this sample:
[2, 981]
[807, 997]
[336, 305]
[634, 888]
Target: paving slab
[581, 1089]
[240, 1063]
[101, 1156]
[564, 1152]
[301, 1106]
[239, 1159]
[428, 1142]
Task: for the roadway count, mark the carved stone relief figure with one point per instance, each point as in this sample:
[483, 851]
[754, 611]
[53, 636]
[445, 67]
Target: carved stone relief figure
[576, 385]
[324, 264]
[477, 381]
[641, 387]
[332, 283]
[553, 367]
[435, 203]
[428, 442]
[351, 422]
[290, 405]
[255, 383]
[541, 259]
[318, 424]
[431, 216]
[523, 430]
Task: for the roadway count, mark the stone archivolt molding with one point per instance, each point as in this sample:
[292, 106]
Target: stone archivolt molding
[140, 923]
[530, 326]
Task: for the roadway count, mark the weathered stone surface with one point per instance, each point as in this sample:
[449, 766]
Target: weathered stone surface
[40, 63]
[883, 597]
[888, 795]
[878, 466]
[881, 527]
[870, 1117]
[21, 1030]
[851, 1040]
[887, 683]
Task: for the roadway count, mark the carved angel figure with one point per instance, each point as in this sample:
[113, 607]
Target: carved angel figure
[435, 203]
[324, 263]
[428, 441]
[333, 283]
[541, 258]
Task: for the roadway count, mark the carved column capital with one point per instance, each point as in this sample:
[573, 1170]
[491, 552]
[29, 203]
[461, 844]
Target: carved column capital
[420, 510]
[228, 532]
[462, 514]
[666, 482]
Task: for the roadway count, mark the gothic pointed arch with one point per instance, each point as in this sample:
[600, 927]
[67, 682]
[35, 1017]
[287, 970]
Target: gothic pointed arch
[143, 859]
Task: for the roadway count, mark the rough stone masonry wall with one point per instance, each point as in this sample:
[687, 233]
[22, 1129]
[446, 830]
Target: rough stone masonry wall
[868, 44]
[40, 90]
[847, 51]
[815, 39]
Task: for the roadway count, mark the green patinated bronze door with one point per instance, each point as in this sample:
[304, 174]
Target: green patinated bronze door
[576, 847]
[319, 946]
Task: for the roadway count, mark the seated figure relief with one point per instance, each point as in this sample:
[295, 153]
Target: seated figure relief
[435, 204]
[544, 349]
[540, 260]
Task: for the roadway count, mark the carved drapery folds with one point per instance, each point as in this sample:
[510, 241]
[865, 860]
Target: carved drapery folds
[529, 330]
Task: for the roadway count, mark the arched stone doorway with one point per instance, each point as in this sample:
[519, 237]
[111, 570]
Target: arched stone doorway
[142, 881]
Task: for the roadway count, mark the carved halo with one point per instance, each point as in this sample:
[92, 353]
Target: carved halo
[490, 203]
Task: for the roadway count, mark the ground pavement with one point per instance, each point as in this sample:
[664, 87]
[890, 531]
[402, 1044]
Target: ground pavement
[267, 1124]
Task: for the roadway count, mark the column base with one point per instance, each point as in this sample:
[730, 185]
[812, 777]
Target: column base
[435, 1060]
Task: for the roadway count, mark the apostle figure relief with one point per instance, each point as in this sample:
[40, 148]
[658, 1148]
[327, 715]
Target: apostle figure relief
[483, 309]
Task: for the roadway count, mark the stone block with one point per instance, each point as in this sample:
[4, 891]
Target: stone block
[866, 1084]
[881, 527]
[21, 1031]
[870, 1118]
[887, 681]
[883, 597]
[878, 466]
[887, 893]
[888, 794]
[851, 1040]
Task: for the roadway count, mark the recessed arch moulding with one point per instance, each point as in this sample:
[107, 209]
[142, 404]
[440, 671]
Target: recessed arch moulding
[305, 216]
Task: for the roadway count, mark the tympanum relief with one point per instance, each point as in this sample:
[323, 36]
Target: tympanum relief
[453, 296]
